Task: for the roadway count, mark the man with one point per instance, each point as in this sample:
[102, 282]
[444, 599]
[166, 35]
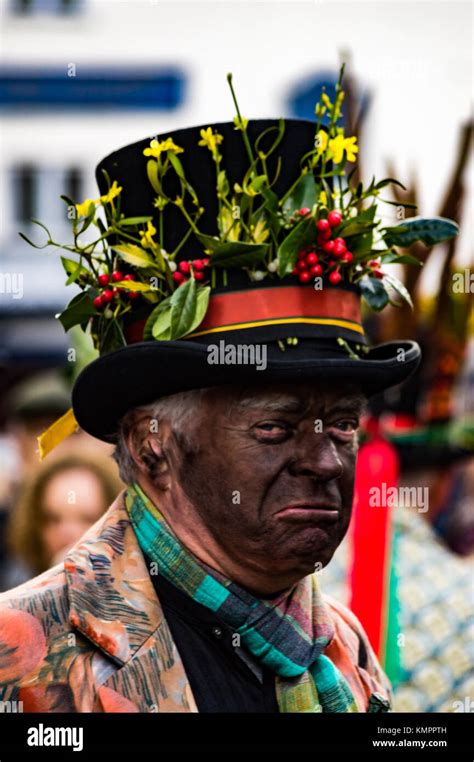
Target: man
[247, 490]
[198, 590]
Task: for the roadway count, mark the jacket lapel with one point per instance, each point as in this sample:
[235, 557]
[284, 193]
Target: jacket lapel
[114, 605]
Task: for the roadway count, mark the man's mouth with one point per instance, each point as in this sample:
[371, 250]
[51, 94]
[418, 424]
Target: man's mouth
[314, 512]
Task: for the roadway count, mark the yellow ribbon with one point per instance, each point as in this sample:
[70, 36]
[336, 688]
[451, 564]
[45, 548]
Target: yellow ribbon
[54, 435]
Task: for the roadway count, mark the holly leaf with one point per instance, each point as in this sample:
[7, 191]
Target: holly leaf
[79, 309]
[234, 253]
[304, 194]
[398, 286]
[302, 235]
[429, 230]
[374, 292]
[134, 255]
[178, 314]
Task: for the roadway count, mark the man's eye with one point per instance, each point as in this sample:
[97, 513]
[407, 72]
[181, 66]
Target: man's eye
[271, 430]
[346, 425]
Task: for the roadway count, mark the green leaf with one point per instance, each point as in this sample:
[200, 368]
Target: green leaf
[301, 235]
[429, 230]
[222, 184]
[187, 311]
[304, 194]
[399, 259]
[74, 270]
[398, 286]
[80, 308]
[184, 304]
[374, 292]
[111, 336]
[152, 172]
[134, 220]
[134, 255]
[234, 253]
[389, 181]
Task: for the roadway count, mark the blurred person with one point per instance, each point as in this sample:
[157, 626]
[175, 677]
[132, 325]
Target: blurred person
[60, 500]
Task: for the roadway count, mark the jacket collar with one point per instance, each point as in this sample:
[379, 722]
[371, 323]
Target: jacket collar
[112, 599]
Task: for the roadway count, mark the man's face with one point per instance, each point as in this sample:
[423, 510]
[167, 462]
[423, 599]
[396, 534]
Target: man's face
[271, 472]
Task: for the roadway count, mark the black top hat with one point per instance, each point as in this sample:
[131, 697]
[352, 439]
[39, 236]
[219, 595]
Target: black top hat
[242, 312]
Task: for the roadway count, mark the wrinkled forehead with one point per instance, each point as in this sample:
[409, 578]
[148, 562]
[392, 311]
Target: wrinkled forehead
[293, 398]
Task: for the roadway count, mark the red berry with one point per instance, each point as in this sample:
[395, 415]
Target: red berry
[301, 265]
[107, 295]
[311, 258]
[302, 253]
[324, 236]
[198, 264]
[339, 248]
[133, 295]
[206, 261]
[335, 277]
[316, 270]
[184, 267]
[178, 277]
[117, 276]
[103, 279]
[199, 275]
[374, 263]
[304, 210]
[378, 273]
[323, 226]
[304, 277]
[332, 263]
[98, 303]
[334, 219]
[129, 277]
[295, 271]
[116, 291]
[328, 247]
[347, 257]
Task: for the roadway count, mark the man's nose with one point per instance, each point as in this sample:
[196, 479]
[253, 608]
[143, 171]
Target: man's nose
[317, 457]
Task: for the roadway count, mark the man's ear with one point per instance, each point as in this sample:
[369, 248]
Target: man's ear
[145, 445]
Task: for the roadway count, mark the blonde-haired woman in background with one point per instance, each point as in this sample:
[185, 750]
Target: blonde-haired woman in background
[55, 506]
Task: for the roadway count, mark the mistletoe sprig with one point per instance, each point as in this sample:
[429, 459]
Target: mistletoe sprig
[324, 226]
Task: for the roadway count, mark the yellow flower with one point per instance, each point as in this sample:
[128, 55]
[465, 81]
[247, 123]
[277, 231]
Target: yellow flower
[321, 141]
[158, 147]
[323, 199]
[325, 99]
[338, 145]
[114, 191]
[210, 140]
[351, 148]
[240, 123]
[147, 236]
[83, 209]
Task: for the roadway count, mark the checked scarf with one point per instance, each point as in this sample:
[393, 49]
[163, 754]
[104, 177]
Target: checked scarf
[287, 634]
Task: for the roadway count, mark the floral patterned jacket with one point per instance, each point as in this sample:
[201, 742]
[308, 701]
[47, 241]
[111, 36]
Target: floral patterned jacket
[89, 635]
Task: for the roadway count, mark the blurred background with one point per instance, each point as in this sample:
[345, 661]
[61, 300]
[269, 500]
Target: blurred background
[81, 78]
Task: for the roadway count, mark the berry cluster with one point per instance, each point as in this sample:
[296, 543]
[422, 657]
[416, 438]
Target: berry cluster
[108, 295]
[327, 255]
[192, 268]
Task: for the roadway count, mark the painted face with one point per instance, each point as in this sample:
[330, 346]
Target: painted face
[271, 472]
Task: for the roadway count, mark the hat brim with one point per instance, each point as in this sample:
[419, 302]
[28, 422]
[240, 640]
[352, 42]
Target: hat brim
[139, 374]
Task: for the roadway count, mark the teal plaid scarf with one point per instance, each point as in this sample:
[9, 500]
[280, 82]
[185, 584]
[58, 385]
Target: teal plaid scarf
[288, 635]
